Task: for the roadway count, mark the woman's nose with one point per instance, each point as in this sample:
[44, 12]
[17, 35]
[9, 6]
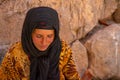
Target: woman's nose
[44, 41]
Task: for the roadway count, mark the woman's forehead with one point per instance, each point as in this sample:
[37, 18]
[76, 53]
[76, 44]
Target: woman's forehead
[44, 31]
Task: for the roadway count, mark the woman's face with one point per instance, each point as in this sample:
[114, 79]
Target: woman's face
[42, 38]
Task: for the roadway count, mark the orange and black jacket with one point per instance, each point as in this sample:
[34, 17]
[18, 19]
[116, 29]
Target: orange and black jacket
[16, 64]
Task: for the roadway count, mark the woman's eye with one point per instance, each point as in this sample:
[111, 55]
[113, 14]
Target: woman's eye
[39, 36]
[50, 36]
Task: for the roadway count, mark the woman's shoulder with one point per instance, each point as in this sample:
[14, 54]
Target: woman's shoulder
[65, 51]
[14, 61]
[15, 50]
[65, 54]
[15, 46]
[65, 44]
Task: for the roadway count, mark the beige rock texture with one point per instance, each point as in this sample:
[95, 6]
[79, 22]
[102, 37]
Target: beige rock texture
[116, 14]
[104, 52]
[80, 57]
[77, 19]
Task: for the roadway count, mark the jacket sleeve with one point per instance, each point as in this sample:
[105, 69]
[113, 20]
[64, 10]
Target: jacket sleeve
[10, 68]
[7, 68]
[69, 69]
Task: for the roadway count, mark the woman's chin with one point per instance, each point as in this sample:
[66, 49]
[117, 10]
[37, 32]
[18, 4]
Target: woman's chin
[43, 49]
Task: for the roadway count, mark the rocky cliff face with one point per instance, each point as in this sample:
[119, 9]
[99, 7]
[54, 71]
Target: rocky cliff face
[79, 21]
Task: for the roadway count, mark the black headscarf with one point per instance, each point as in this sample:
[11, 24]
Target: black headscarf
[44, 64]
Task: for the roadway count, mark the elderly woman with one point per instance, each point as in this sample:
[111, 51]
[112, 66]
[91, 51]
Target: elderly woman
[40, 55]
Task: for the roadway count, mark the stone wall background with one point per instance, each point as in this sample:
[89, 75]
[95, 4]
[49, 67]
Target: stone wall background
[80, 20]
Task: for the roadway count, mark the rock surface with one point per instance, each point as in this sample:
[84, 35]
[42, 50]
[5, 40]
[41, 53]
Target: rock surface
[104, 52]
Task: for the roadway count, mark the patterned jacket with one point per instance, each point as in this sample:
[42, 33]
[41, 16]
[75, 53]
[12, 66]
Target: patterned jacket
[16, 64]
